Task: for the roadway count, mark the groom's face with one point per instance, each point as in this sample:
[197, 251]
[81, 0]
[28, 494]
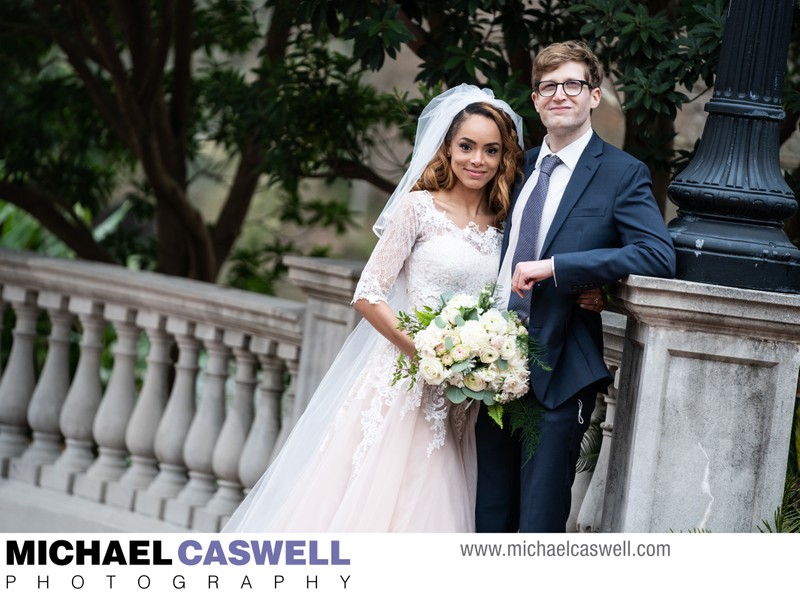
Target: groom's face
[563, 115]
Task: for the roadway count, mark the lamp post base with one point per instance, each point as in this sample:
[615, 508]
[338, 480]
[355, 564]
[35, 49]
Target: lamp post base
[735, 254]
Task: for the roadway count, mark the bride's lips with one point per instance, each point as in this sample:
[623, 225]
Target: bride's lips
[473, 173]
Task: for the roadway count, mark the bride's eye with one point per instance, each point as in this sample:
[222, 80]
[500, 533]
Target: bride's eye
[465, 147]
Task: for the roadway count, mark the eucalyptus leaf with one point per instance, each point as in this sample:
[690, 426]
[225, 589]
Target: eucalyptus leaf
[461, 366]
[455, 395]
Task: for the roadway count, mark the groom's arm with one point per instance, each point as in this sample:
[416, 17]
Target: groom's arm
[643, 245]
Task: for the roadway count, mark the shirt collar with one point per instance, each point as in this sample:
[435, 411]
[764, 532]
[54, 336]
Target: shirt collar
[570, 154]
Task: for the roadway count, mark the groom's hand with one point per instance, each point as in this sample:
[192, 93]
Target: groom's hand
[526, 274]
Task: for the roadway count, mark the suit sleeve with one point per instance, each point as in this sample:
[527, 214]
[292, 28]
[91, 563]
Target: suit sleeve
[634, 241]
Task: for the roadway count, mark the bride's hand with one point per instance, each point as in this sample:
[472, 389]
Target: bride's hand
[593, 300]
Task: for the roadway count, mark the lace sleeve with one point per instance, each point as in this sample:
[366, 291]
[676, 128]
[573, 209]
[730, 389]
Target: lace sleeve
[389, 255]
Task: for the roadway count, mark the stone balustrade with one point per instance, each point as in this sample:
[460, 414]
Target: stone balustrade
[156, 395]
[161, 401]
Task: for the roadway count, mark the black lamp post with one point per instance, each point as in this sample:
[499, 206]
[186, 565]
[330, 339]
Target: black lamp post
[732, 198]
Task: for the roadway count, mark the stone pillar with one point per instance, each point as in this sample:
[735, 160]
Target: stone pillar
[257, 449]
[232, 436]
[114, 410]
[49, 394]
[174, 425]
[591, 512]
[81, 402]
[705, 404]
[204, 431]
[329, 317]
[145, 417]
[19, 377]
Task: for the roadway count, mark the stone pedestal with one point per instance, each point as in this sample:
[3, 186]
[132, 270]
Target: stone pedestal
[329, 317]
[704, 412]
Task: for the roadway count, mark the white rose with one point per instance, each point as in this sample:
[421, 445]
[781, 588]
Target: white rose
[432, 371]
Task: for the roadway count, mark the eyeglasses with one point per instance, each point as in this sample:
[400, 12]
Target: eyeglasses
[548, 88]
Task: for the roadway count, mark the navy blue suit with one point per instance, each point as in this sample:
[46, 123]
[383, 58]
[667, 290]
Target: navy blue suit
[607, 226]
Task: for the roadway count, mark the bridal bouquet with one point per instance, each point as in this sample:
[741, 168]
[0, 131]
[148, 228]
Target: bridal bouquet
[472, 350]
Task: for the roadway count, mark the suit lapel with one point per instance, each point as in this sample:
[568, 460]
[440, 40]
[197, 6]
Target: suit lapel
[584, 171]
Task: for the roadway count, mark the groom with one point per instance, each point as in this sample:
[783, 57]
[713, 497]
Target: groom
[583, 216]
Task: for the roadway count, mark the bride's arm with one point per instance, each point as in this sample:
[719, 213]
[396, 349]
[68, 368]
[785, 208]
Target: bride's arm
[383, 319]
[380, 274]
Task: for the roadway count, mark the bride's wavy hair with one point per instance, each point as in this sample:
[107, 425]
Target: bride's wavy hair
[439, 175]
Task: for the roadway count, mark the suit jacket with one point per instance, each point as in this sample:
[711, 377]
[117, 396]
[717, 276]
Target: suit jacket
[607, 226]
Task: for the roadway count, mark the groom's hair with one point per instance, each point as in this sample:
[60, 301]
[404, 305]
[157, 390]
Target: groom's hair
[554, 55]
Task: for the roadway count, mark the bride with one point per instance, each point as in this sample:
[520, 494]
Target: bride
[366, 455]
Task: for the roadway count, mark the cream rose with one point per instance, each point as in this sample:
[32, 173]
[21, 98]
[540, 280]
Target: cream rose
[432, 371]
[474, 382]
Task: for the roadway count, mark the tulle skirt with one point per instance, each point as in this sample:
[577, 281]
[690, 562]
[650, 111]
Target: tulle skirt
[393, 459]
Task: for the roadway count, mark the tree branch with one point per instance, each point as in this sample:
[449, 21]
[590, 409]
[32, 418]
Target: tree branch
[356, 170]
[41, 205]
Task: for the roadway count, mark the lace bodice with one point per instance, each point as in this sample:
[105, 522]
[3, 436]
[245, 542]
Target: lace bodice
[432, 253]
[426, 254]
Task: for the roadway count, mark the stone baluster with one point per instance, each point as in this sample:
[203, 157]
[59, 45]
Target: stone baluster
[49, 394]
[590, 515]
[228, 449]
[263, 434]
[290, 356]
[82, 401]
[115, 408]
[584, 478]
[19, 377]
[140, 435]
[591, 511]
[203, 432]
[174, 426]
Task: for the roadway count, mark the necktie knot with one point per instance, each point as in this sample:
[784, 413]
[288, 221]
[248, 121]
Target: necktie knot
[549, 163]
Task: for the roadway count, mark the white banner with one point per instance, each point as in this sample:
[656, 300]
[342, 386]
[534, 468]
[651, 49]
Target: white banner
[377, 563]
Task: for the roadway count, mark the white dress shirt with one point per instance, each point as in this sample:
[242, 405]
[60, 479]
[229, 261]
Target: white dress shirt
[559, 179]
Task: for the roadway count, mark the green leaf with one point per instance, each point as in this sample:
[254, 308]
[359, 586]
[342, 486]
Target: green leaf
[496, 413]
[439, 322]
[461, 366]
[455, 395]
[448, 343]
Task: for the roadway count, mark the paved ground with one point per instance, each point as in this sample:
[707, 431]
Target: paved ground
[25, 508]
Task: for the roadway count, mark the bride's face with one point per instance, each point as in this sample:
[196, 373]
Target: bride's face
[476, 151]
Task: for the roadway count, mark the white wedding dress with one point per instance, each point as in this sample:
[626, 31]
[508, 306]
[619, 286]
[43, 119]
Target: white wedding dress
[387, 458]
